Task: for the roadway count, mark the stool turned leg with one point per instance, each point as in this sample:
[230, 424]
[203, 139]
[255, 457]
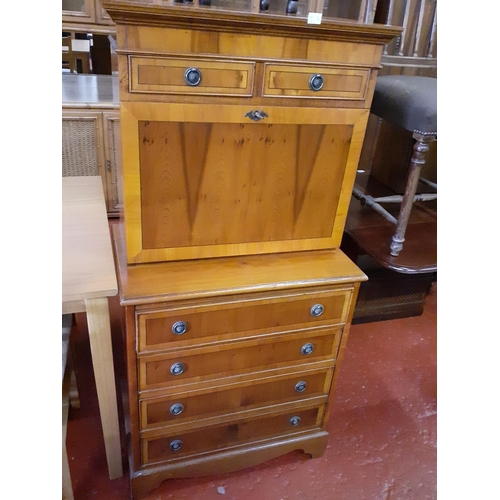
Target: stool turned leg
[417, 161]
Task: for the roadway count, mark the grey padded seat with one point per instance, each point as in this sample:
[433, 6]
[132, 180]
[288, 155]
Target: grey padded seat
[411, 103]
[407, 101]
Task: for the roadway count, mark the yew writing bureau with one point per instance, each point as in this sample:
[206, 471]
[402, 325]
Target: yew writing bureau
[241, 135]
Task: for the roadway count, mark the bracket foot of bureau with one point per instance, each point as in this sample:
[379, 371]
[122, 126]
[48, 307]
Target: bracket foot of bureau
[144, 482]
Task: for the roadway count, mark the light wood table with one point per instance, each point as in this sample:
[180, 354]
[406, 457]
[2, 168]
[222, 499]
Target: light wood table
[88, 279]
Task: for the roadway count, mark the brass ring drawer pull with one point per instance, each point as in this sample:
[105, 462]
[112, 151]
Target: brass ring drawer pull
[176, 444]
[317, 310]
[295, 421]
[316, 82]
[300, 386]
[176, 409]
[192, 77]
[307, 349]
[179, 327]
[177, 369]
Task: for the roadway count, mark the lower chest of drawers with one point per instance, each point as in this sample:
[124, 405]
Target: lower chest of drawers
[228, 373]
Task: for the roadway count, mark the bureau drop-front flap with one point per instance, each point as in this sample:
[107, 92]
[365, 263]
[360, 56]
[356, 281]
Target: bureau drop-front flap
[212, 181]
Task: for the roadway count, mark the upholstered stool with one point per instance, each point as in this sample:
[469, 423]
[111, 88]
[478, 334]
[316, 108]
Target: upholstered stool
[411, 103]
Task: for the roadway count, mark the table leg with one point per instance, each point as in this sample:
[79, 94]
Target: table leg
[102, 361]
[67, 486]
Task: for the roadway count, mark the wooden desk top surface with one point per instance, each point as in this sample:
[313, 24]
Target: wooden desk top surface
[90, 91]
[181, 280]
[88, 269]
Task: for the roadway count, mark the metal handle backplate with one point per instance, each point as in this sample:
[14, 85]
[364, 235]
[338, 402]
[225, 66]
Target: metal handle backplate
[177, 368]
[177, 409]
[179, 327]
[317, 310]
[307, 349]
[176, 444]
[300, 386]
[192, 77]
[316, 82]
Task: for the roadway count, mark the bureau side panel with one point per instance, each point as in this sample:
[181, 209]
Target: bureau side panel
[340, 354]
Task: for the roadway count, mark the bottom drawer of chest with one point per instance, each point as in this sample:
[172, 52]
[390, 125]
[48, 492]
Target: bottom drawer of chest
[215, 438]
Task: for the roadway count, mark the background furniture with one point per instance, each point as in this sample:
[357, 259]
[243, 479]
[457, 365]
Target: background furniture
[86, 19]
[68, 60]
[67, 487]
[76, 55]
[86, 16]
[409, 102]
[91, 133]
[412, 53]
[241, 136]
[88, 279]
[396, 289]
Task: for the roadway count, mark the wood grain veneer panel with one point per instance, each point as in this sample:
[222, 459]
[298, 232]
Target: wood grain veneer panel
[151, 285]
[208, 181]
[245, 179]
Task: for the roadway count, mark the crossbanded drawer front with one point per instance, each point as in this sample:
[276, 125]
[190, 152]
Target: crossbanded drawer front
[164, 329]
[233, 358]
[158, 412]
[170, 447]
[162, 75]
[315, 82]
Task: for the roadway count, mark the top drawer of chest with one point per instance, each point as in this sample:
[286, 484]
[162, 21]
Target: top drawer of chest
[175, 326]
[163, 75]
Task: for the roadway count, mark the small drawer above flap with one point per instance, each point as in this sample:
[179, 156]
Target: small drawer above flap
[162, 75]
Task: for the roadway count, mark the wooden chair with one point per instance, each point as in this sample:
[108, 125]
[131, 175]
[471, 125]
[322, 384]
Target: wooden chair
[68, 58]
[409, 102]
[81, 52]
[74, 50]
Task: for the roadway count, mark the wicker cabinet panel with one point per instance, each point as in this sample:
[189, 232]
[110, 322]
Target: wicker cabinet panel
[91, 146]
[81, 145]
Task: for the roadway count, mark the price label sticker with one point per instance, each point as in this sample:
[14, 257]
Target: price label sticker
[314, 18]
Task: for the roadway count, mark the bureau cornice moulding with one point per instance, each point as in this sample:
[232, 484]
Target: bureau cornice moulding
[246, 22]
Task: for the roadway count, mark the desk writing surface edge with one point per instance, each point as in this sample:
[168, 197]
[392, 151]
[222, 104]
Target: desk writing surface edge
[151, 283]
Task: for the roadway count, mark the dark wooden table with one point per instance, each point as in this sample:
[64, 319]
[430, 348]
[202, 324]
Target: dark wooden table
[372, 233]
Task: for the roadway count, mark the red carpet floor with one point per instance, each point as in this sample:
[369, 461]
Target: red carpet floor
[382, 443]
